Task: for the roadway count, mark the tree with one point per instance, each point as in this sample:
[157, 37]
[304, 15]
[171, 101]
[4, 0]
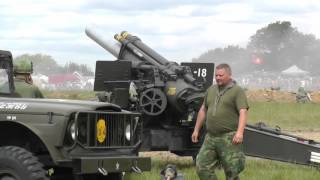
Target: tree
[82, 68]
[46, 65]
[43, 64]
[280, 46]
[272, 48]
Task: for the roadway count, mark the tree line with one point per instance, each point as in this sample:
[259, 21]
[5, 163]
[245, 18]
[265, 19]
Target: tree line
[272, 48]
[45, 64]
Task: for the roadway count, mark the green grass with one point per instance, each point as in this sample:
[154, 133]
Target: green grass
[256, 169]
[79, 95]
[289, 116]
[184, 166]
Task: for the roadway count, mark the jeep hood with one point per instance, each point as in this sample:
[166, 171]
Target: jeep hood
[57, 106]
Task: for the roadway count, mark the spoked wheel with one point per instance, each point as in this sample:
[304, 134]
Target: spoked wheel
[17, 163]
[153, 101]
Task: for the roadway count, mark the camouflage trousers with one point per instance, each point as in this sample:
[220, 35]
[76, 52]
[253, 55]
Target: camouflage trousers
[217, 151]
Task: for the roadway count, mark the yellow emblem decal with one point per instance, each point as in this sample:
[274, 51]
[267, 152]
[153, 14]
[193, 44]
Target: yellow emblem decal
[101, 130]
[171, 91]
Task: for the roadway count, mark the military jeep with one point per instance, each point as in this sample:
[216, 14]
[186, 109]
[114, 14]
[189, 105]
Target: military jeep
[41, 139]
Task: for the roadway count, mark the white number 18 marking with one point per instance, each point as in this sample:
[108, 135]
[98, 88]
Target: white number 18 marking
[202, 72]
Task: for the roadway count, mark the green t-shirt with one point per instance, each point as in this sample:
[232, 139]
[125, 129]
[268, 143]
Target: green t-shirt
[26, 90]
[224, 117]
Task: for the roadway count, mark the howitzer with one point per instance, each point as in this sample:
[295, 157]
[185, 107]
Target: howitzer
[168, 94]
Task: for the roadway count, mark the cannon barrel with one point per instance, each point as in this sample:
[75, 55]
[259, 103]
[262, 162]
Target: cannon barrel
[112, 47]
[143, 47]
[130, 51]
[170, 68]
[128, 47]
[143, 51]
[133, 49]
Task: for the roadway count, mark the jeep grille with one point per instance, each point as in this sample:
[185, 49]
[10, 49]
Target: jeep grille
[115, 124]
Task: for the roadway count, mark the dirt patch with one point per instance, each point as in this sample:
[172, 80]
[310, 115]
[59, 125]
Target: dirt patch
[313, 135]
[165, 156]
[315, 96]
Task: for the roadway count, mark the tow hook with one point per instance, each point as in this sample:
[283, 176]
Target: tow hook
[135, 168]
[103, 171]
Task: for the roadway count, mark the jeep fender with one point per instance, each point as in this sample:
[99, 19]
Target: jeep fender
[54, 153]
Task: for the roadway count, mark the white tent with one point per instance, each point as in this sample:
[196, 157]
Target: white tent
[294, 70]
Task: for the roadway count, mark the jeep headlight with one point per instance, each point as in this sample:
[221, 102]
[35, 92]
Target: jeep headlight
[73, 131]
[128, 132]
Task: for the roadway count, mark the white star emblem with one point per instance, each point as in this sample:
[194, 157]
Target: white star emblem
[117, 166]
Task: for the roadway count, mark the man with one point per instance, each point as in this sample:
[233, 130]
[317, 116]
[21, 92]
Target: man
[224, 110]
[302, 96]
[23, 82]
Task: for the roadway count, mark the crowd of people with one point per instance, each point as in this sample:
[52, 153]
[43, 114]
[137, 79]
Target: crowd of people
[279, 82]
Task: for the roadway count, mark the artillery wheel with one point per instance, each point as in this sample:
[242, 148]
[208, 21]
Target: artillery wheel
[19, 164]
[153, 101]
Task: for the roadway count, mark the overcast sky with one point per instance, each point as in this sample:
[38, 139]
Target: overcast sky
[179, 30]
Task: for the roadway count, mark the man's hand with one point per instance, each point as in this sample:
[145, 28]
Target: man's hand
[237, 138]
[200, 120]
[195, 136]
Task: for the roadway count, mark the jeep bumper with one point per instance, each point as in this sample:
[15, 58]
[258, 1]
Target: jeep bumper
[105, 165]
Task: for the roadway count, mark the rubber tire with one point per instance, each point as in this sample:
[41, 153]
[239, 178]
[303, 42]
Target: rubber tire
[21, 163]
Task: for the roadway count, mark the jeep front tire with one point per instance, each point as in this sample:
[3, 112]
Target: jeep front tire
[17, 163]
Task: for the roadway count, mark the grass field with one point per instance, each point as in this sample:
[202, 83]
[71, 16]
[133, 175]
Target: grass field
[291, 117]
[256, 169]
[80, 95]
